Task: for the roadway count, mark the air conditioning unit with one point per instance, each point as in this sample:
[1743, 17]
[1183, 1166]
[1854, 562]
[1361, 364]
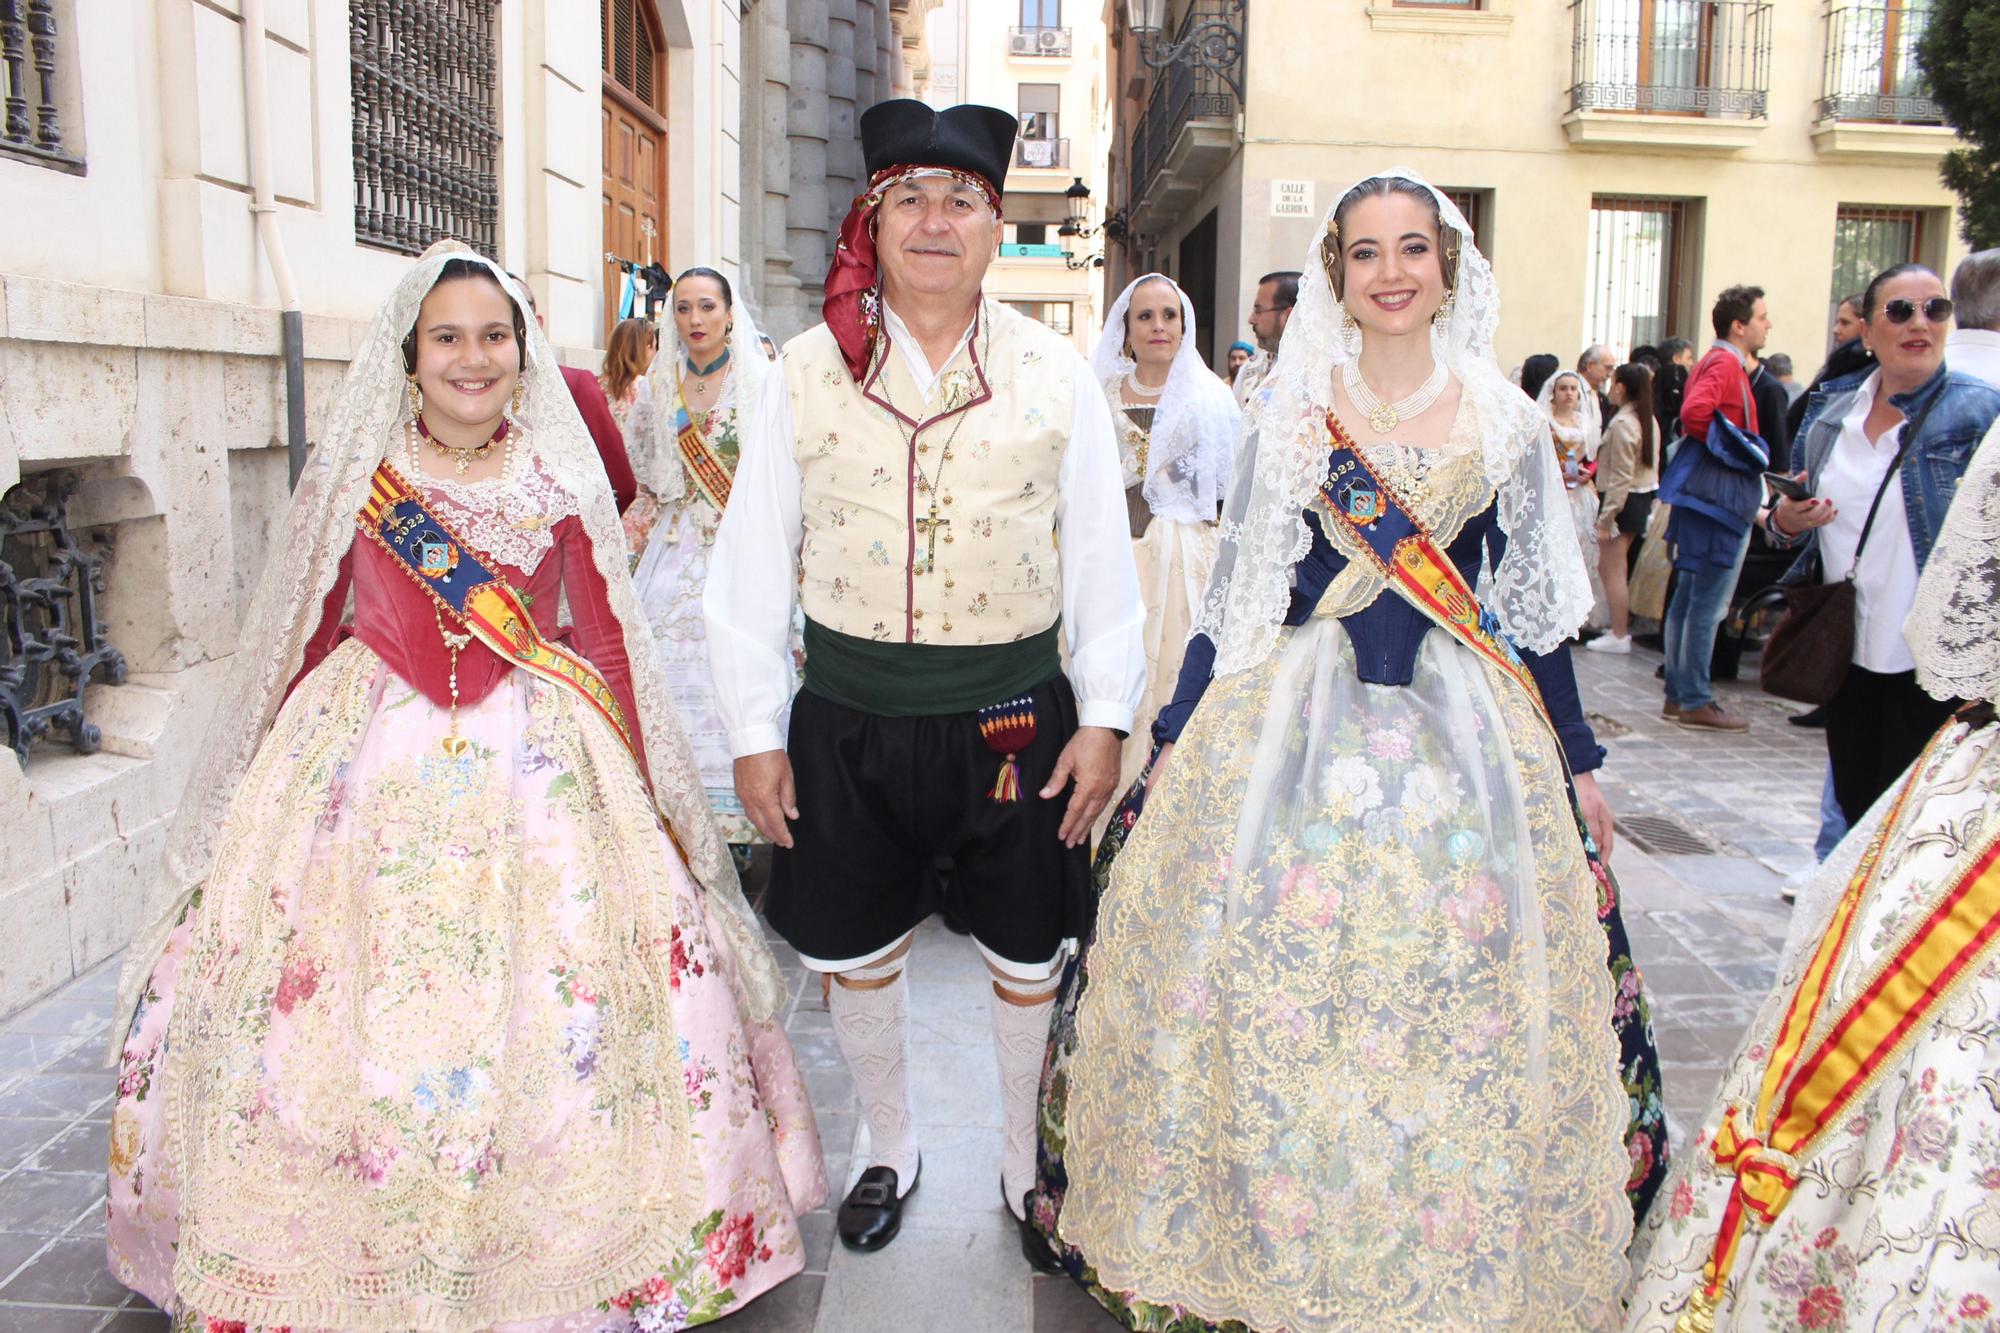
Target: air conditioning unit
[1021, 43]
[1054, 40]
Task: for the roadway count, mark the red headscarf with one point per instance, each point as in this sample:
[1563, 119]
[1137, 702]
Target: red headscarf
[853, 304]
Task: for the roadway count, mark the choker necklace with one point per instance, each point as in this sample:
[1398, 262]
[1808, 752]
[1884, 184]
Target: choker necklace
[1143, 390]
[462, 457]
[1385, 417]
[701, 373]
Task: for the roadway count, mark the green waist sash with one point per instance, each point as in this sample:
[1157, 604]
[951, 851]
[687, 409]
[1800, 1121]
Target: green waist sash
[925, 679]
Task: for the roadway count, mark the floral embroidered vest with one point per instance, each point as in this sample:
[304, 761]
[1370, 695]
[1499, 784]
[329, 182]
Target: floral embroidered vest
[991, 436]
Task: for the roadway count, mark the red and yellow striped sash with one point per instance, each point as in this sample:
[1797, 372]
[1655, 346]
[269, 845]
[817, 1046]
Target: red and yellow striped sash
[704, 465]
[1806, 1089]
[467, 586]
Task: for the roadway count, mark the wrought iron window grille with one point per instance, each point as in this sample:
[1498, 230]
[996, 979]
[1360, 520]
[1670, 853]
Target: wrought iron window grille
[426, 139]
[30, 121]
[52, 645]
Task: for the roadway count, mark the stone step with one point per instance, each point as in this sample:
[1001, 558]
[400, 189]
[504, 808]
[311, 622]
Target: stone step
[130, 717]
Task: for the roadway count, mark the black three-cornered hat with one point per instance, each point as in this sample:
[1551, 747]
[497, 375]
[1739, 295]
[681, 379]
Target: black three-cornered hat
[908, 133]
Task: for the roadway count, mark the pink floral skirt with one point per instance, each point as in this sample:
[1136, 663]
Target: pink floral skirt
[448, 1042]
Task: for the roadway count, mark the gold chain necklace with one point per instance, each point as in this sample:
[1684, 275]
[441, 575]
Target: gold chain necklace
[463, 456]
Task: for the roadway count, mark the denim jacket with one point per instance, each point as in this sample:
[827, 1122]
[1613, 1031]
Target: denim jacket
[1933, 463]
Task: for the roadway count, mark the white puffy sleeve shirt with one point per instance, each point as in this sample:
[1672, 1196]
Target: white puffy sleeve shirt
[753, 572]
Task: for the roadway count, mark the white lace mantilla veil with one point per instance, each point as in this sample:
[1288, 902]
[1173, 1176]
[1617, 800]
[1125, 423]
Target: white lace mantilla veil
[1587, 415]
[750, 375]
[1196, 417]
[364, 421]
[1540, 591]
[1953, 627]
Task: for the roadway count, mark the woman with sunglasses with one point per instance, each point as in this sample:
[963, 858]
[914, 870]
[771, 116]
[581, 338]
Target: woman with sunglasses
[1894, 439]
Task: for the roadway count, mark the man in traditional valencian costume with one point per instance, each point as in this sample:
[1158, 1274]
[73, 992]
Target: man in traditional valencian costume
[939, 485]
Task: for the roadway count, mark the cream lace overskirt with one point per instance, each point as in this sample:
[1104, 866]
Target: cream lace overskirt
[1346, 1059]
[445, 1043]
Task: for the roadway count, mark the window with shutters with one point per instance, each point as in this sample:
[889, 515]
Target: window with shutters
[632, 51]
[426, 136]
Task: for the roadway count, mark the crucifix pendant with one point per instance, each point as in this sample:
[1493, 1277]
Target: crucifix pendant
[929, 527]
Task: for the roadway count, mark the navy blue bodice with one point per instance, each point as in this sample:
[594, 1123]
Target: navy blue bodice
[1387, 633]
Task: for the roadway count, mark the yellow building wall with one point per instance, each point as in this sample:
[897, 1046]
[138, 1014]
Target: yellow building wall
[1337, 90]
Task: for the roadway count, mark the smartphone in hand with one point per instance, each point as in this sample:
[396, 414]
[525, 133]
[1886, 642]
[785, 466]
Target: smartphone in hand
[1788, 487]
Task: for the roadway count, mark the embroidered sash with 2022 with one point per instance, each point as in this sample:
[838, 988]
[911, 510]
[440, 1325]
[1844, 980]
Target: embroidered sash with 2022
[1356, 498]
[467, 586]
[704, 466]
[1808, 1085]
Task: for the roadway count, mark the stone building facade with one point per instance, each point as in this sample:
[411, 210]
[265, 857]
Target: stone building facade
[809, 68]
[142, 367]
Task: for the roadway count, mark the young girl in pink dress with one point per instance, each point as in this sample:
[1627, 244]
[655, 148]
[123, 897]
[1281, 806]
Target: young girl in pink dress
[460, 1021]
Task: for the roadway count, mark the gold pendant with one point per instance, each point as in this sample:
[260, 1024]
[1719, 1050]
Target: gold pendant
[1383, 419]
[454, 746]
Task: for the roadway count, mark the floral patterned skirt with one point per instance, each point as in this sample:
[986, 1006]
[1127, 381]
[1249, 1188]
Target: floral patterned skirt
[447, 1042]
[1386, 749]
[1895, 1222]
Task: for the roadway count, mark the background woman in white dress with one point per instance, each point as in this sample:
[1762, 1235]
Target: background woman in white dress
[1575, 424]
[699, 393]
[1177, 432]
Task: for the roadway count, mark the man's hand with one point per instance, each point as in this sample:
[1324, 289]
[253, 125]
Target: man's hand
[1091, 758]
[764, 785]
[1596, 812]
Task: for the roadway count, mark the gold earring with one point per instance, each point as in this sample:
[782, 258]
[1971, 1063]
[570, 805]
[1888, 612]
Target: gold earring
[416, 397]
[1443, 316]
[520, 397]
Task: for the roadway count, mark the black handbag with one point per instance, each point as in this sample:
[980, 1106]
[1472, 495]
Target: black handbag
[1810, 650]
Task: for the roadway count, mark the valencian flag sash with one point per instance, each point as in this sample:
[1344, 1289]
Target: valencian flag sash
[1822, 1063]
[704, 468]
[1356, 498]
[467, 587]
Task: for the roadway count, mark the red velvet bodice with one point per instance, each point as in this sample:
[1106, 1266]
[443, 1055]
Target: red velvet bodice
[398, 621]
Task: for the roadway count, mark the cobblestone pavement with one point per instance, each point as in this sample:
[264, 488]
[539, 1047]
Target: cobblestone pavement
[1710, 825]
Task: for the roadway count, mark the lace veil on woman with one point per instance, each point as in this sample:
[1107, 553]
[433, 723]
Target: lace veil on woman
[454, 1015]
[1345, 1048]
[1177, 454]
[689, 459]
[1577, 441]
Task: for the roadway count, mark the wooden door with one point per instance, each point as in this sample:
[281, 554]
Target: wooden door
[635, 144]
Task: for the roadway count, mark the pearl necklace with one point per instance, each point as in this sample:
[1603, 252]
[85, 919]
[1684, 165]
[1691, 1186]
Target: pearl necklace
[1144, 390]
[1385, 417]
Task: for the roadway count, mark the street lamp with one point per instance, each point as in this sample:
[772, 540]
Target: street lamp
[1214, 44]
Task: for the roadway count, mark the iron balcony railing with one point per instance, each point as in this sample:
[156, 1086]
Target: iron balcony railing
[1038, 41]
[1672, 57]
[1181, 92]
[1871, 63]
[1041, 153]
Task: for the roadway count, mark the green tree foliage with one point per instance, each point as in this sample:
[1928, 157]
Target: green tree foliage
[1960, 57]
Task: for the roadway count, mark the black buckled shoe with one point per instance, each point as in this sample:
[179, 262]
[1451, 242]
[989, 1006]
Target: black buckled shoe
[872, 1213]
[1034, 1246]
